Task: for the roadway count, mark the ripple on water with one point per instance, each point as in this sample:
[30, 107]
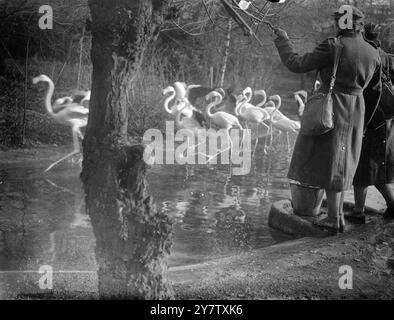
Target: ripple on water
[42, 218]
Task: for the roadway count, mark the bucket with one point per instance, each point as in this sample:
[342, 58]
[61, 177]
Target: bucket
[306, 200]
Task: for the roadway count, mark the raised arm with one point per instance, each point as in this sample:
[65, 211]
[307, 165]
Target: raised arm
[321, 57]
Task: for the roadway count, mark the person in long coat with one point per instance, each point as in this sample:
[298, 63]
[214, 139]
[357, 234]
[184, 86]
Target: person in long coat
[329, 161]
[376, 166]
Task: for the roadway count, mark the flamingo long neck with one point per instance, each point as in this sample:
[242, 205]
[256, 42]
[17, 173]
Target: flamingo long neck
[217, 101]
[277, 106]
[178, 121]
[248, 96]
[168, 100]
[263, 102]
[301, 105]
[48, 97]
[240, 107]
[299, 100]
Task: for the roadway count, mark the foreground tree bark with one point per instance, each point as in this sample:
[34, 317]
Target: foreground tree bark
[133, 239]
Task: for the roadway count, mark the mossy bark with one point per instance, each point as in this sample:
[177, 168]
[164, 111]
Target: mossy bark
[132, 239]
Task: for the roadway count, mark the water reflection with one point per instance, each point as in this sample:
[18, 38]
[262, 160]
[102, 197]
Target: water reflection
[42, 218]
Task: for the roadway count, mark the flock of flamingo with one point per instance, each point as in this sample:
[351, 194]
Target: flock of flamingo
[237, 108]
[73, 110]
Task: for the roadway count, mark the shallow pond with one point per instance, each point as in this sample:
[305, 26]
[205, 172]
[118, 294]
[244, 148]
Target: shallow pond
[42, 219]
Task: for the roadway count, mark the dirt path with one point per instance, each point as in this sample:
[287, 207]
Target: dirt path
[303, 269]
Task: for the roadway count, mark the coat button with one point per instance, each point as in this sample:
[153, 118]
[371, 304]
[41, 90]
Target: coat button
[384, 141]
[383, 163]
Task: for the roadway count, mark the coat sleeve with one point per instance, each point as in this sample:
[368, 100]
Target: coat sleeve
[322, 56]
[390, 59]
[372, 95]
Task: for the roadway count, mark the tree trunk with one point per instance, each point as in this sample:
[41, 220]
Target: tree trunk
[133, 240]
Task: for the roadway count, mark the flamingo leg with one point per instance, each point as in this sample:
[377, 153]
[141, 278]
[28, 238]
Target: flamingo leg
[288, 142]
[221, 151]
[277, 137]
[230, 143]
[271, 136]
[75, 150]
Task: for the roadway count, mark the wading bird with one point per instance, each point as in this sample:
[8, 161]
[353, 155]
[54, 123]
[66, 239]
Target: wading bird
[79, 97]
[72, 115]
[190, 124]
[252, 114]
[222, 119]
[283, 124]
[181, 104]
[264, 95]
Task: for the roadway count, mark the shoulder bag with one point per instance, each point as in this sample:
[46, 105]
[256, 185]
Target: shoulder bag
[318, 116]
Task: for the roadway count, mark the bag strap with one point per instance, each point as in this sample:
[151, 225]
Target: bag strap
[335, 42]
[337, 57]
[314, 82]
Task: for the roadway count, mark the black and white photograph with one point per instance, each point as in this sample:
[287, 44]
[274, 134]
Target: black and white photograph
[213, 151]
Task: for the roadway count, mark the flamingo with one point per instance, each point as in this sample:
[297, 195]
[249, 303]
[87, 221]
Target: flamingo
[185, 116]
[271, 107]
[85, 96]
[188, 123]
[72, 115]
[283, 124]
[261, 93]
[222, 119]
[301, 97]
[253, 114]
[78, 96]
[177, 106]
[61, 103]
[181, 104]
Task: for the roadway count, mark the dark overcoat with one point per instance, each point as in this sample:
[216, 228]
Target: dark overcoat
[376, 166]
[329, 161]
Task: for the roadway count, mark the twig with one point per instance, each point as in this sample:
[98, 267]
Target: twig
[80, 57]
[187, 32]
[241, 22]
[25, 91]
[269, 24]
[209, 16]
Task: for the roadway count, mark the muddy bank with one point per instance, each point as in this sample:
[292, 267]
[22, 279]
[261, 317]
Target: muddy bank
[304, 269]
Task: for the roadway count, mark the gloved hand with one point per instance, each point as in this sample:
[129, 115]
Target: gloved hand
[280, 33]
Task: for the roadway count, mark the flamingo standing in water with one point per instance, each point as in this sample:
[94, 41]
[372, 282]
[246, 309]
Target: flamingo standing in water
[185, 115]
[181, 103]
[283, 124]
[252, 114]
[72, 115]
[222, 119]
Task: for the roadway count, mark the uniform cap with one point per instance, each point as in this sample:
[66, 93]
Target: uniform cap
[357, 13]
